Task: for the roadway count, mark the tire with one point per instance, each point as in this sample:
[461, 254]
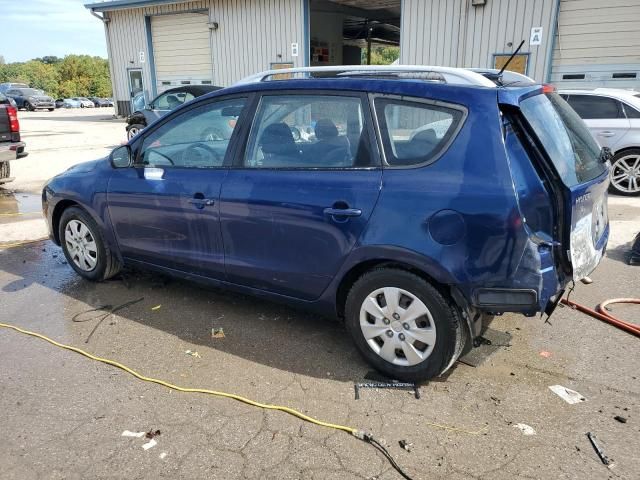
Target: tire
[82, 105]
[5, 170]
[51, 109]
[29, 107]
[106, 262]
[625, 173]
[134, 130]
[438, 327]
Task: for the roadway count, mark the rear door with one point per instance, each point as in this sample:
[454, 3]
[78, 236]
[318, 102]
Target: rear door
[164, 210]
[603, 115]
[300, 193]
[582, 178]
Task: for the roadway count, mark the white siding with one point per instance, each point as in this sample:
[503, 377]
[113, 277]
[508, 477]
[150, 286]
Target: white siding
[597, 39]
[252, 34]
[455, 33]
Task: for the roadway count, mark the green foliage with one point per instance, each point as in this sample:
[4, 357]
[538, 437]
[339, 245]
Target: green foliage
[381, 55]
[71, 76]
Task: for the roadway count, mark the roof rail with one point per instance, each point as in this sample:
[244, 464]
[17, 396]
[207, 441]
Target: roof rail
[450, 75]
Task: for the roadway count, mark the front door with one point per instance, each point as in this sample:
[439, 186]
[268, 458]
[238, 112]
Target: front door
[301, 193]
[165, 209]
[136, 85]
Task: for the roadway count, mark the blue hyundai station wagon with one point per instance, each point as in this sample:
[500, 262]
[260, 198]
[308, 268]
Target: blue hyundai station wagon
[413, 202]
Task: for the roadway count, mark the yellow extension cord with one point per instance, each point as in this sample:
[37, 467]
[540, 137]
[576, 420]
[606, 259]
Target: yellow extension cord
[233, 396]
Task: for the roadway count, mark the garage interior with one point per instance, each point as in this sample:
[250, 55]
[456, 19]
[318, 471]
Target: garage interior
[344, 32]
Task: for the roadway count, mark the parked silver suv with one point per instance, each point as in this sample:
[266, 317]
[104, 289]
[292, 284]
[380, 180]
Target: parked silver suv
[613, 116]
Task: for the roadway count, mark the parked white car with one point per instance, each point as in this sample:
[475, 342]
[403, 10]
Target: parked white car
[84, 102]
[613, 116]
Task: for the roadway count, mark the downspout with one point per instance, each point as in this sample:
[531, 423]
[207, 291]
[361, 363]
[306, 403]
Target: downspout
[105, 22]
[554, 32]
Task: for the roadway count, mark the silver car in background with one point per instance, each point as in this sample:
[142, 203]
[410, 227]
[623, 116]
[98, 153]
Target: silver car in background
[613, 116]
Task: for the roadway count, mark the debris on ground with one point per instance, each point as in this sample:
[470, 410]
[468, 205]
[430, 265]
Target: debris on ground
[127, 433]
[387, 385]
[152, 433]
[606, 460]
[162, 455]
[546, 354]
[405, 445]
[620, 419]
[570, 396]
[157, 307]
[525, 429]
[193, 353]
[217, 333]
[150, 444]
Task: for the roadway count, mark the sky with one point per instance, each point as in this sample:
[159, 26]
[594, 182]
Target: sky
[35, 28]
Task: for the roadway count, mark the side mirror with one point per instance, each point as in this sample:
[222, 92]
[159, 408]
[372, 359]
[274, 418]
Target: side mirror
[121, 157]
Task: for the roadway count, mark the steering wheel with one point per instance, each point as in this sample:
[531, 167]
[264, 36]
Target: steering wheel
[201, 154]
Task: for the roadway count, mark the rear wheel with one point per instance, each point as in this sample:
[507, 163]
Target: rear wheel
[51, 109]
[5, 170]
[401, 324]
[29, 107]
[84, 247]
[625, 173]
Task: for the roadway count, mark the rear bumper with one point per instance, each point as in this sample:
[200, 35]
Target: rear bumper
[12, 151]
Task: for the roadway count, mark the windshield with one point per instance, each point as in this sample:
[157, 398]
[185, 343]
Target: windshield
[27, 92]
[565, 137]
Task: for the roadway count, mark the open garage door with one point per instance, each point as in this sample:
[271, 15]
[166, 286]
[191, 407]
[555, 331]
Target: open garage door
[354, 32]
[181, 49]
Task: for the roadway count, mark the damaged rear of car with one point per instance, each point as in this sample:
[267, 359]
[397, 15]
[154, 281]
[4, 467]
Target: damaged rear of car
[561, 179]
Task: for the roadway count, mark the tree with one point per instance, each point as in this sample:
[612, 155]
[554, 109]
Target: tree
[71, 76]
[381, 55]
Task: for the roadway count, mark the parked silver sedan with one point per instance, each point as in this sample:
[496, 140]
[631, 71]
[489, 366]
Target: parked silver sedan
[613, 116]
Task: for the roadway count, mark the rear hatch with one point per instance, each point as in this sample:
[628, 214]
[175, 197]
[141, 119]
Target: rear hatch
[578, 172]
[5, 131]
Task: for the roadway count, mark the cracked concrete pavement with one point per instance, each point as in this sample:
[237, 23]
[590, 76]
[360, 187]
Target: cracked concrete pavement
[62, 415]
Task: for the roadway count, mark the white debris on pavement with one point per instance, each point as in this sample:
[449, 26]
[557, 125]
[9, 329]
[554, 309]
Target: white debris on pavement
[568, 395]
[162, 455]
[525, 429]
[150, 444]
[127, 433]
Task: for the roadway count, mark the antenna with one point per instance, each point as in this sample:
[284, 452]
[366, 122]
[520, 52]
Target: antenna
[511, 58]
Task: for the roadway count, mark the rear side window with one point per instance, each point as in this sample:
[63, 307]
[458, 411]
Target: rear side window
[591, 106]
[631, 112]
[414, 133]
[308, 131]
[565, 138]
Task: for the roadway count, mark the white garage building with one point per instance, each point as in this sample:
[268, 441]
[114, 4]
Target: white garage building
[157, 44]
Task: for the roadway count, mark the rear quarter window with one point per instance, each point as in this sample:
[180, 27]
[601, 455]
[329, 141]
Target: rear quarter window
[592, 106]
[415, 133]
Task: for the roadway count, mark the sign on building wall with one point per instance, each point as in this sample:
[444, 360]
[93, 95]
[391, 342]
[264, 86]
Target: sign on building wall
[536, 36]
[518, 64]
[141, 56]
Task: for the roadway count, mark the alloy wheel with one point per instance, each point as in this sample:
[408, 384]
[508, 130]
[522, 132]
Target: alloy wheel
[625, 174]
[133, 131]
[397, 326]
[81, 245]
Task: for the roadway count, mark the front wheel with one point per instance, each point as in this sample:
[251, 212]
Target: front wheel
[84, 247]
[401, 324]
[29, 107]
[51, 109]
[625, 173]
[134, 130]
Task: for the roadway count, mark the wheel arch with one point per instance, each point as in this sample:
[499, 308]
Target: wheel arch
[627, 149]
[60, 207]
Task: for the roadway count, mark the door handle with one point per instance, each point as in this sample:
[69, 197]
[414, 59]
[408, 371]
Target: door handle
[606, 133]
[202, 201]
[343, 212]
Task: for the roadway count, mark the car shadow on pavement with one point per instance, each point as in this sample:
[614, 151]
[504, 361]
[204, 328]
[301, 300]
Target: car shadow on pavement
[267, 333]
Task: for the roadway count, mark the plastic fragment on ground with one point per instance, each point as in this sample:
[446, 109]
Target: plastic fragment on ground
[217, 333]
[525, 429]
[150, 444]
[570, 396]
[127, 433]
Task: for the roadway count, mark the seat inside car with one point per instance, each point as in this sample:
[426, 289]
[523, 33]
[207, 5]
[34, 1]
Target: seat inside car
[278, 146]
[331, 147]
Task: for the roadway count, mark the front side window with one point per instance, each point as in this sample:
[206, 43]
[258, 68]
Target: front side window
[415, 133]
[197, 138]
[591, 106]
[171, 100]
[565, 138]
[308, 131]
